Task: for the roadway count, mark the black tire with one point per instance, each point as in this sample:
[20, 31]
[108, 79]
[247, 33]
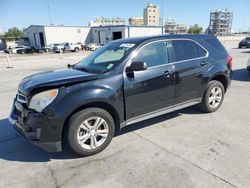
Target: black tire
[77, 120]
[76, 49]
[205, 106]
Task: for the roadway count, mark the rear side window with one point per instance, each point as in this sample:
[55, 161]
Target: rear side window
[216, 44]
[153, 54]
[186, 49]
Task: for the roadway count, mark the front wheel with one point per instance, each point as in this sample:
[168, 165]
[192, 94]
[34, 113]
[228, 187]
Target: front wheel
[213, 97]
[90, 131]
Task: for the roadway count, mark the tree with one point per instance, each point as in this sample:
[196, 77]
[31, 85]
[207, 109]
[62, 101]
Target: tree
[195, 29]
[13, 32]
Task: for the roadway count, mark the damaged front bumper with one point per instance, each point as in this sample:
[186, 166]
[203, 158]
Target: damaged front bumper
[41, 129]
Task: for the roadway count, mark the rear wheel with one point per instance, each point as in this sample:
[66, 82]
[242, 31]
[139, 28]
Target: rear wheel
[90, 131]
[213, 97]
[76, 49]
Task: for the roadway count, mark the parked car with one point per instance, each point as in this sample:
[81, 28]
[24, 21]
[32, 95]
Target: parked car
[245, 43]
[59, 48]
[124, 82]
[25, 50]
[13, 50]
[94, 46]
[72, 47]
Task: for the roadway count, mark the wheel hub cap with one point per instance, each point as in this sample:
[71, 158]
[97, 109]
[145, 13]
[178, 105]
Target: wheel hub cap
[92, 133]
[215, 97]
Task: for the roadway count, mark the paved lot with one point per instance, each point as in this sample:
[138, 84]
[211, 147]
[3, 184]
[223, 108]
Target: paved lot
[183, 149]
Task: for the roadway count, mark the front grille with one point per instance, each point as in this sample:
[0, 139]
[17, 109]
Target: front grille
[21, 98]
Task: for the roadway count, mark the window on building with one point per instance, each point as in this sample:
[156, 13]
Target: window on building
[153, 54]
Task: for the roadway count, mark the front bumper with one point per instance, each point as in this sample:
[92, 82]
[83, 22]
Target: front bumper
[41, 129]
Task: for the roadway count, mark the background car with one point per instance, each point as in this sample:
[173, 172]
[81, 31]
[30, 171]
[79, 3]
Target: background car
[245, 43]
[26, 50]
[72, 47]
[94, 46]
[13, 50]
[59, 48]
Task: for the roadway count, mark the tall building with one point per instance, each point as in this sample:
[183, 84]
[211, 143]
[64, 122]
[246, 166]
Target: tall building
[101, 21]
[220, 22]
[151, 15]
[136, 21]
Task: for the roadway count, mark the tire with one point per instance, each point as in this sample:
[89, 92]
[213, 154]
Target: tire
[208, 104]
[83, 138]
[76, 49]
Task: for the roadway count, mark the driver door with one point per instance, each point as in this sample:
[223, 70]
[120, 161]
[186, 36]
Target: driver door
[149, 91]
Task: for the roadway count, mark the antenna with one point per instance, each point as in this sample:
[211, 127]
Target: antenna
[49, 13]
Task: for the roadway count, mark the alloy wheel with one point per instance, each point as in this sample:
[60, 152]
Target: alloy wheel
[215, 97]
[92, 133]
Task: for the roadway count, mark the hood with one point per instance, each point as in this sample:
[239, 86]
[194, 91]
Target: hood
[54, 78]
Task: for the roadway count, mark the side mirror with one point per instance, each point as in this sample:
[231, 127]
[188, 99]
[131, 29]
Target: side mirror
[136, 66]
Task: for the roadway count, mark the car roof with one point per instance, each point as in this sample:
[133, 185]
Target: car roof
[137, 40]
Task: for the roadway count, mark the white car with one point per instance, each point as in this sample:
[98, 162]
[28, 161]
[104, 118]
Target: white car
[13, 50]
[58, 48]
[93, 46]
[72, 47]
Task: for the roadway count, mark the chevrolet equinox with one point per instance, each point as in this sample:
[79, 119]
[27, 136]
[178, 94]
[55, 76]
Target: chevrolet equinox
[124, 82]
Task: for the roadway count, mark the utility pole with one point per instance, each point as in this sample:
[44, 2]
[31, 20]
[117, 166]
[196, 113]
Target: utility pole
[49, 13]
[162, 13]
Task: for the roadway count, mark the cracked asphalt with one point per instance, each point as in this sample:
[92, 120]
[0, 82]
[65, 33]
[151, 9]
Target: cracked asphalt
[186, 148]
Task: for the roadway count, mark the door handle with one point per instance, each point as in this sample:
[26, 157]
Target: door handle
[167, 74]
[203, 63]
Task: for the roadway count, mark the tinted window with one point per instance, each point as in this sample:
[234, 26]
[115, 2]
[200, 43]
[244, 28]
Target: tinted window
[184, 50]
[201, 51]
[248, 38]
[153, 54]
[216, 44]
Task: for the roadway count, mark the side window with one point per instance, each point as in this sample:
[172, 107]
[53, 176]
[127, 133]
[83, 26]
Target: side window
[201, 51]
[184, 50]
[153, 54]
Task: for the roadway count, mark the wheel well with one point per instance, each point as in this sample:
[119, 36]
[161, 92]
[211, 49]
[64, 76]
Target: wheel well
[222, 79]
[110, 109]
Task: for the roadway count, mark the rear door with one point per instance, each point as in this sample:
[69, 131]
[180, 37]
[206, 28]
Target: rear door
[152, 89]
[190, 61]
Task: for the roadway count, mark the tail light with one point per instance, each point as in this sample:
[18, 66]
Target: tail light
[230, 61]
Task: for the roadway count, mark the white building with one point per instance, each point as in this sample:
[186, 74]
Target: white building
[40, 35]
[151, 15]
[105, 34]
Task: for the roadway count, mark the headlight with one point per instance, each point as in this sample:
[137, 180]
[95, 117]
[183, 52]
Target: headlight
[39, 101]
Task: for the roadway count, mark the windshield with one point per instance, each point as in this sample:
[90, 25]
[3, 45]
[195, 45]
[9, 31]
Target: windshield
[248, 38]
[104, 59]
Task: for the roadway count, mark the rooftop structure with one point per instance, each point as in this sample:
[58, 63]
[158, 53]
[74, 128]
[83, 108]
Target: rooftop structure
[101, 21]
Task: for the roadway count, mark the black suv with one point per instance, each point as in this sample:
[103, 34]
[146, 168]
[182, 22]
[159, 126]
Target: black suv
[245, 43]
[124, 82]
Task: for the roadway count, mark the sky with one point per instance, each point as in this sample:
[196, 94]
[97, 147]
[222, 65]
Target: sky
[22, 13]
